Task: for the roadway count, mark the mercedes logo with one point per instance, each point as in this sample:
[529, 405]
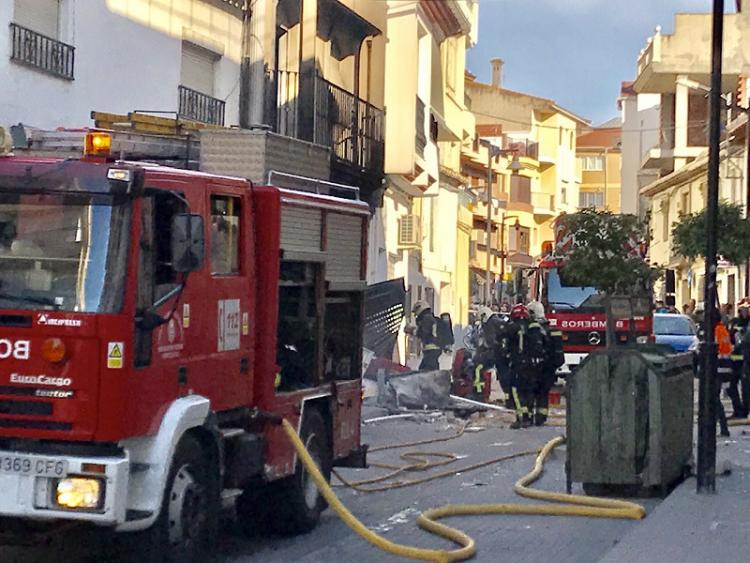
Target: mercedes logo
[594, 338]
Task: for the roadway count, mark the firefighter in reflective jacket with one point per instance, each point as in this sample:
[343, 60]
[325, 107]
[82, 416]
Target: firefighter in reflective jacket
[554, 358]
[724, 350]
[526, 347]
[427, 331]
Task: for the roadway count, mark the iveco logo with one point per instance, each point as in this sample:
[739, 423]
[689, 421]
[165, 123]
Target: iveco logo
[594, 338]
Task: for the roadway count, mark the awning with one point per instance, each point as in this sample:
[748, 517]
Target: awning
[343, 27]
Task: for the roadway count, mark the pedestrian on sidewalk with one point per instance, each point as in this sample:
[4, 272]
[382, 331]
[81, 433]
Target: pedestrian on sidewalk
[724, 350]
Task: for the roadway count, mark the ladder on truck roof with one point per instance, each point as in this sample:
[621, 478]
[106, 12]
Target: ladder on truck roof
[142, 137]
[312, 185]
[136, 136]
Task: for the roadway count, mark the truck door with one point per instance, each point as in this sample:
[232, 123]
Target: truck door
[223, 333]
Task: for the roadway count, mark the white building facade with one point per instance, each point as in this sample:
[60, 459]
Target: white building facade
[62, 59]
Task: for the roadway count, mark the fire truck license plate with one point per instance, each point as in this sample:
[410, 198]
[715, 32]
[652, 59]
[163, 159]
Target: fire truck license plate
[37, 466]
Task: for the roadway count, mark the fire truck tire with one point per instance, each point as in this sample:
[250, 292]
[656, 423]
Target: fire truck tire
[299, 502]
[188, 521]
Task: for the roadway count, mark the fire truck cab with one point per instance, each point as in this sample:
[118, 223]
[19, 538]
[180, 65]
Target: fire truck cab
[155, 326]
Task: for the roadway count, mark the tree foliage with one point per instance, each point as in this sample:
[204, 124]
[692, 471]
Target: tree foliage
[607, 253]
[689, 235]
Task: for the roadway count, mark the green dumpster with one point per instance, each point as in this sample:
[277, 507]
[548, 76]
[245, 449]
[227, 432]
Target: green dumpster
[630, 420]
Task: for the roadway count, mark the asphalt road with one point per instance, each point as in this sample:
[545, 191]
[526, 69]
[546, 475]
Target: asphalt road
[393, 513]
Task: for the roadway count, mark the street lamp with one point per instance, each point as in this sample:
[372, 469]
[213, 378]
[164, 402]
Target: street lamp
[514, 167]
[504, 254]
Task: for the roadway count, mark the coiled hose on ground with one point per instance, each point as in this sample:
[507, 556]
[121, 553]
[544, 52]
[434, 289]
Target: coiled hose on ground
[569, 505]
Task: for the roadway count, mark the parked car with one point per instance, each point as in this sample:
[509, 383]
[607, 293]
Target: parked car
[677, 331]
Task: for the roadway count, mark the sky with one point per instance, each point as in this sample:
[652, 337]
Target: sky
[575, 52]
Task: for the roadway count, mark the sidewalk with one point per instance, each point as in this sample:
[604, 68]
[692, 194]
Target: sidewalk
[688, 527]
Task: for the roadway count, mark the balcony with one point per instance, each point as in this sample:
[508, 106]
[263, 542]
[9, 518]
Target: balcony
[687, 51]
[43, 53]
[523, 148]
[543, 204]
[200, 107]
[352, 128]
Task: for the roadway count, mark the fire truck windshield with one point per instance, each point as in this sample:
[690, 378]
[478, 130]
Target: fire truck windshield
[560, 293]
[58, 250]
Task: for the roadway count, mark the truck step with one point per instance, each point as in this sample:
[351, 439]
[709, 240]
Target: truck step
[229, 496]
[228, 433]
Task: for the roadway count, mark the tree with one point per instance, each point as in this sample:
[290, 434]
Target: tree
[689, 235]
[607, 252]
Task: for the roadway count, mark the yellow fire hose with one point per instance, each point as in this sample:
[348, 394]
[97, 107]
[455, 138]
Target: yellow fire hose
[572, 505]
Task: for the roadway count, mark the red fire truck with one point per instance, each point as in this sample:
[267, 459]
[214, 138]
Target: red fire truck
[155, 324]
[577, 311]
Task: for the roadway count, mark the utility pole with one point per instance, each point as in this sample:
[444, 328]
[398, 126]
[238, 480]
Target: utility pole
[708, 391]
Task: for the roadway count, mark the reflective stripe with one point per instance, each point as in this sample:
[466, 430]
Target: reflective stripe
[431, 347]
[736, 358]
[556, 333]
[542, 411]
[516, 400]
[478, 382]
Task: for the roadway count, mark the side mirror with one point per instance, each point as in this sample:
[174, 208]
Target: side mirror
[188, 242]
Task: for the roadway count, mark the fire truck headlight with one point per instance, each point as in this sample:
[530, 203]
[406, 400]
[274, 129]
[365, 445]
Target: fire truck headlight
[642, 340]
[79, 493]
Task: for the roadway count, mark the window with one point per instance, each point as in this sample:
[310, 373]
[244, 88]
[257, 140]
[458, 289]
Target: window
[197, 71]
[518, 239]
[564, 195]
[591, 199]
[225, 235]
[570, 143]
[685, 203]
[592, 162]
[42, 16]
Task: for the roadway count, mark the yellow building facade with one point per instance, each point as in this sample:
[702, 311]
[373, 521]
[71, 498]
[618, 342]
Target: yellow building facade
[599, 168]
[540, 137]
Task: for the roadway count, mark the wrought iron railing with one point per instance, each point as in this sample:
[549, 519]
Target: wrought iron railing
[200, 107]
[523, 147]
[350, 126]
[41, 52]
[420, 136]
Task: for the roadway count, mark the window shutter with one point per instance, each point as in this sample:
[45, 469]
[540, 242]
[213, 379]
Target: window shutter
[197, 70]
[42, 16]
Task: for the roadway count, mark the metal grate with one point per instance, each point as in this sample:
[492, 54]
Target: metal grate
[34, 408]
[384, 313]
[200, 107]
[41, 52]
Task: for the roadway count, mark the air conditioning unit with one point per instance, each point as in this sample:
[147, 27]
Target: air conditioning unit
[408, 231]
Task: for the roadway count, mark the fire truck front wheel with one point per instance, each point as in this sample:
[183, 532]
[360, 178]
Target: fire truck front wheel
[188, 519]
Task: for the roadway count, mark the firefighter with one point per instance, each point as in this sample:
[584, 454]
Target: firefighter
[527, 354]
[738, 328]
[553, 359]
[492, 350]
[426, 330]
